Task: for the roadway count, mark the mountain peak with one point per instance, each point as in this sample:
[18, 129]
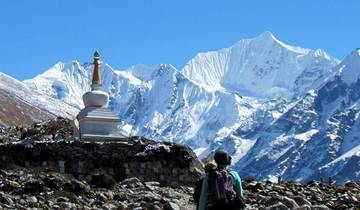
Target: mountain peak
[349, 67]
[144, 72]
[162, 69]
[267, 35]
[166, 66]
[267, 39]
[357, 52]
[354, 55]
[271, 68]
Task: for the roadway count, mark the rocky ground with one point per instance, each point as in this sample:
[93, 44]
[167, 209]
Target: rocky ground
[24, 189]
[57, 129]
[27, 189]
[31, 188]
[292, 195]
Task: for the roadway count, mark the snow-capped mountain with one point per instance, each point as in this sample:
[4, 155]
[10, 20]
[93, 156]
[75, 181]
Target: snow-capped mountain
[22, 106]
[261, 67]
[318, 136]
[162, 104]
[269, 104]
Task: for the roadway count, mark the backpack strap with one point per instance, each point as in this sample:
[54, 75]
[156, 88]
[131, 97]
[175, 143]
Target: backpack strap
[237, 183]
[204, 193]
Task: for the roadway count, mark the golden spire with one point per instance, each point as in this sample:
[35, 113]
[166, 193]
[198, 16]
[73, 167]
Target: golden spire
[96, 82]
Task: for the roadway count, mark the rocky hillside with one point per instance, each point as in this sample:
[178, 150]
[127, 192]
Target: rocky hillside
[22, 106]
[41, 168]
[14, 110]
[11, 106]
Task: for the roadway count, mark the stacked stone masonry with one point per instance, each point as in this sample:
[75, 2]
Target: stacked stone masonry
[167, 163]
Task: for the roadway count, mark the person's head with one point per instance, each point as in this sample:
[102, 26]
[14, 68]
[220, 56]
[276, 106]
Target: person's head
[222, 158]
[210, 165]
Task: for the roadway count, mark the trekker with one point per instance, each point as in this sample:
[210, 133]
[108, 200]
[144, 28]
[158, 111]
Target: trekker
[221, 188]
[209, 167]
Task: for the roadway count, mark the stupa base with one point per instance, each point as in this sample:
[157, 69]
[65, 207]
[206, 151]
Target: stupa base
[99, 124]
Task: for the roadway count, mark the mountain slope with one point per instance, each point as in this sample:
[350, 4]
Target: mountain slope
[261, 67]
[22, 106]
[317, 137]
[161, 105]
[15, 111]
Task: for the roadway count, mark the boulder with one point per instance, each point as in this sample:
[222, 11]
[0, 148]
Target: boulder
[278, 206]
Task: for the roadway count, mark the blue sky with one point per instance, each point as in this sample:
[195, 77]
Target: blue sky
[36, 34]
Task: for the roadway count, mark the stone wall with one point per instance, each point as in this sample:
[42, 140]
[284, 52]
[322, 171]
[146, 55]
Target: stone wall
[167, 163]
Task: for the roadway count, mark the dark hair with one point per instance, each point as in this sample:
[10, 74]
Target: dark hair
[221, 157]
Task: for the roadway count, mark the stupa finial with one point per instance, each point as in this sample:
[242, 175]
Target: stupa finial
[96, 82]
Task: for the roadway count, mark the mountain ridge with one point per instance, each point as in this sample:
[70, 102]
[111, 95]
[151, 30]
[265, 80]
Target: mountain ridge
[325, 123]
[162, 102]
[22, 106]
[265, 63]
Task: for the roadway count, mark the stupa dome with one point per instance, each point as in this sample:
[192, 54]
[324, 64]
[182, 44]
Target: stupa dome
[96, 98]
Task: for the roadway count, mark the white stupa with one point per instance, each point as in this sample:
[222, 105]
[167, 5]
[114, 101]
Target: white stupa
[96, 121]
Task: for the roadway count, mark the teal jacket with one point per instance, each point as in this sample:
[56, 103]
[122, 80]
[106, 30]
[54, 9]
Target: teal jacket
[204, 189]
